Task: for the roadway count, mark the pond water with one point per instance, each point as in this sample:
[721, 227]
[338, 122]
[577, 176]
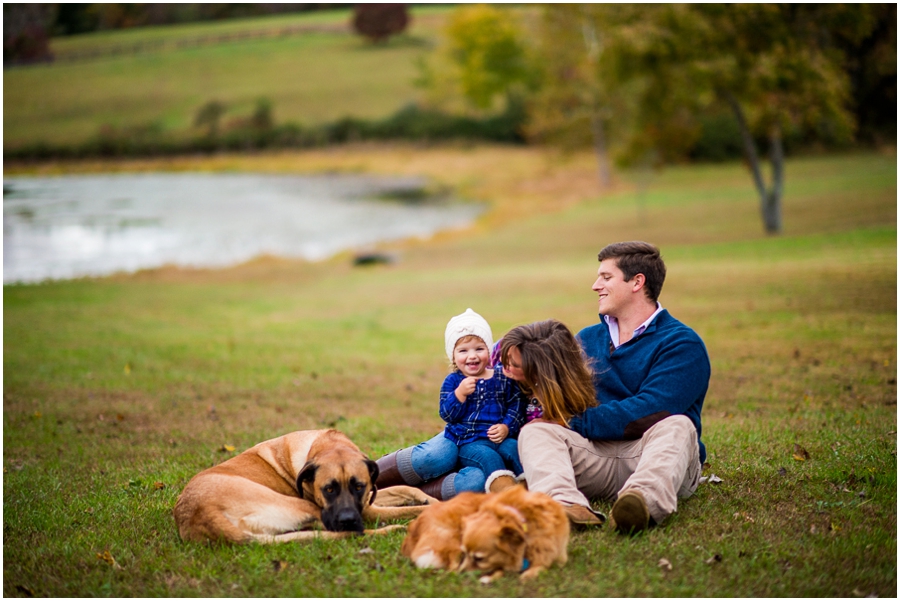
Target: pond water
[93, 225]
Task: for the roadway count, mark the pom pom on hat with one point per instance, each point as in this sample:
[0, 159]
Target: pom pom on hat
[469, 323]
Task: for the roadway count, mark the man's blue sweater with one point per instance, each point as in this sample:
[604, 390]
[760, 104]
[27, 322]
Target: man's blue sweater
[664, 371]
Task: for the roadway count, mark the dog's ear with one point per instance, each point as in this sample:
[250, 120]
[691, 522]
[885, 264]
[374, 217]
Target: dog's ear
[307, 474]
[373, 470]
[373, 474]
[510, 537]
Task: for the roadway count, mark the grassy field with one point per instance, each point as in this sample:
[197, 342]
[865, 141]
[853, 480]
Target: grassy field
[118, 390]
[310, 78]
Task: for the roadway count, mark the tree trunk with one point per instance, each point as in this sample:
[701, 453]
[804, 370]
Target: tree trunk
[592, 45]
[769, 200]
[772, 207]
[600, 147]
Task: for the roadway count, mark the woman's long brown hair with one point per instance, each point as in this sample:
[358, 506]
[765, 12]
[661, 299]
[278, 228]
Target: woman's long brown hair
[555, 369]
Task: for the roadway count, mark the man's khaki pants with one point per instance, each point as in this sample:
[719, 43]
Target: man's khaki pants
[663, 465]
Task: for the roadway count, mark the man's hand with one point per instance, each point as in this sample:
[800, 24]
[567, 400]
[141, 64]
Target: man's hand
[498, 433]
[465, 388]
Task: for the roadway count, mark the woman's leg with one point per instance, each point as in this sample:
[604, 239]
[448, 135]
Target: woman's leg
[429, 466]
[415, 465]
[432, 458]
[468, 479]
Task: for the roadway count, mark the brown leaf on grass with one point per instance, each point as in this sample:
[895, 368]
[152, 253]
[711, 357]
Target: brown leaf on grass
[800, 454]
[159, 485]
[665, 564]
[279, 564]
[108, 558]
[28, 592]
[713, 560]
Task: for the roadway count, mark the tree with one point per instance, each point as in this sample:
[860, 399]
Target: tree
[578, 98]
[378, 22]
[777, 68]
[482, 60]
[209, 115]
[25, 32]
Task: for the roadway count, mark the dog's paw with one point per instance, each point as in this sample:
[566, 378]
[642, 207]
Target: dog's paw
[489, 578]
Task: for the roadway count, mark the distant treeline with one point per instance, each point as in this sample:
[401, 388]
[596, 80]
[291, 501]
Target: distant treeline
[27, 28]
[719, 141]
[410, 123]
[83, 18]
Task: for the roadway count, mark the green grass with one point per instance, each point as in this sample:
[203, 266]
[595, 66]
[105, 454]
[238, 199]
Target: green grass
[801, 331]
[310, 78]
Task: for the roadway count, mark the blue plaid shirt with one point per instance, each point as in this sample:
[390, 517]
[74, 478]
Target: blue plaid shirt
[495, 401]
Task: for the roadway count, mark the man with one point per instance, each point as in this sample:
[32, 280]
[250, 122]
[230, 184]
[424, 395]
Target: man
[640, 446]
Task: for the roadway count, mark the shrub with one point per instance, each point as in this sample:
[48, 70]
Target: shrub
[378, 22]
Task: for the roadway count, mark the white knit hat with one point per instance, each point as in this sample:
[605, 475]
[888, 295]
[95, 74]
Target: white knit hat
[469, 323]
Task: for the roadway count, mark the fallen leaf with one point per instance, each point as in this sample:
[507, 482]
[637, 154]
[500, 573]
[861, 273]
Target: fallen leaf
[127, 369]
[159, 485]
[665, 564]
[226, 448]
[366, 551]
[25, 590]
[108, 558]
[36, 414]
[714, 559]
[278, 565]
[800, 454]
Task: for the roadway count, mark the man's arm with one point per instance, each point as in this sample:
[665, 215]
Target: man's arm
[676, 381]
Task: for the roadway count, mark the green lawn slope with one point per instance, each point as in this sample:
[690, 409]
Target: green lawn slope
[158, 77]
[118, 390]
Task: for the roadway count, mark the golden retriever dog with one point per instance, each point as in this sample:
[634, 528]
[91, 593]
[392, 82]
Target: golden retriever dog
[433, 539]
[514, 530]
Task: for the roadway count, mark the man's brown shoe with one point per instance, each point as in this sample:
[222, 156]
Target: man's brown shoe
[582, 517]
[629, 513]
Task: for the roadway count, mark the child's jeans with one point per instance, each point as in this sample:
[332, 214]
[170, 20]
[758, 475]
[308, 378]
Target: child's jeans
[491, 457]
[438, 456]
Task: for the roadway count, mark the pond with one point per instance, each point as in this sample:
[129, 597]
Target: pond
[93, 225]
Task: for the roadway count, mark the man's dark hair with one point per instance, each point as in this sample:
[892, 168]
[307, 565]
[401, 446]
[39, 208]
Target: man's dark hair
[638, 257]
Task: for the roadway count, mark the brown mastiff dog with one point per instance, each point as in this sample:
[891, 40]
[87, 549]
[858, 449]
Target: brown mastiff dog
[279, 489]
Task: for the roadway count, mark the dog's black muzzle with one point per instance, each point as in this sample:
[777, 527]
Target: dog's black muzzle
[343, 517]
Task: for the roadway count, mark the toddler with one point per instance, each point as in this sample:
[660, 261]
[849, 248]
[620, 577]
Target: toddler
[483, 408]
